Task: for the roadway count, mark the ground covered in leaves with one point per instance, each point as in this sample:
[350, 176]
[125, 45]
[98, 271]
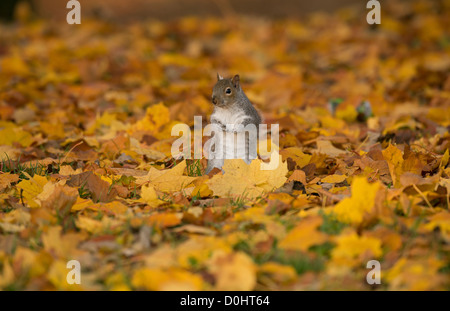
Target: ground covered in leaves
[86, 114]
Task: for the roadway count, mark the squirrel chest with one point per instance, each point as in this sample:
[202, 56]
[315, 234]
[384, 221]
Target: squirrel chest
[232, 145]
[226, 116]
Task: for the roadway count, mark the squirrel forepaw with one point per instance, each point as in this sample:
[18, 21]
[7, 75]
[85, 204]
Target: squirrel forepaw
[234, 128]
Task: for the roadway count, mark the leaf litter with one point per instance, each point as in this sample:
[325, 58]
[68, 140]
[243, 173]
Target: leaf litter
[86, 173]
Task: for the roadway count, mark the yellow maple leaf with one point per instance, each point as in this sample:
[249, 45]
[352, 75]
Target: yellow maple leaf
[362, 202]
[155, 117]
[149, 196]
[415, 274]
[303, 236]
[11, 135]
[31, 189]
[248, 181]
[202, 191]
[235, 271]
[351, 249]
[297, 155]
[169, 180]
[171, 279]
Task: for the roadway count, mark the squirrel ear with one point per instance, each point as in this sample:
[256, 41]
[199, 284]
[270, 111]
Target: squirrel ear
[219, 77]
[235, 81]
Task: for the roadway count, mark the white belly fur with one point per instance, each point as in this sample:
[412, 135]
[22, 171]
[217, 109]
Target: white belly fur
[229, 116]
[232, 144]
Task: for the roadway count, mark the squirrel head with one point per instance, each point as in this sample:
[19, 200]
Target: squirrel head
[226, 92]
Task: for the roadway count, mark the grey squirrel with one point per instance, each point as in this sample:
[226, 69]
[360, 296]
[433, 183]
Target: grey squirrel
[232, 112]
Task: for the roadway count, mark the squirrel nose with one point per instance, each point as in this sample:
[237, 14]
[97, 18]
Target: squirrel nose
[214, 100]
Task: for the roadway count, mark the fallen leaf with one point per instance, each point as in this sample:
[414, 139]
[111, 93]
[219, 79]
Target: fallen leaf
[233, 271]
[7, 179]
[360, 205]
[245, 180]
[305, 235]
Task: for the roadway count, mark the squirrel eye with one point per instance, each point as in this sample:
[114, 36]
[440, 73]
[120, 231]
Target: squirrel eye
[228, 90]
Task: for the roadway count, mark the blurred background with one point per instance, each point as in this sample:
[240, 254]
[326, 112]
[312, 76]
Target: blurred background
[106, 94]
[130, 10]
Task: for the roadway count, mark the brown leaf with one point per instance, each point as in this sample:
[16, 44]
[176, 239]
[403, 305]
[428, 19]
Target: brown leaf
[101, 190]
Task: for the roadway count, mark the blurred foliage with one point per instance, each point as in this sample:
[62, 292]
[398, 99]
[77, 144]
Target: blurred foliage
[86, 113]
